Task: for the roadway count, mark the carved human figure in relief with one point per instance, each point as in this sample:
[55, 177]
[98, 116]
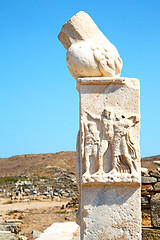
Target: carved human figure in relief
[124, 151]
[91, 141]
[106, 136]
[114, 131]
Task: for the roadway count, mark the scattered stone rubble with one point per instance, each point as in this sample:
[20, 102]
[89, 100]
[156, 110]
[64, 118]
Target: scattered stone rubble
[62, 186]
[65, 186]
[10, 230]
[44, 189]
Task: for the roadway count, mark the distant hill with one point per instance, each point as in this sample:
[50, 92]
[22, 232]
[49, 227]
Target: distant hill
[41, 165]
[148, 162]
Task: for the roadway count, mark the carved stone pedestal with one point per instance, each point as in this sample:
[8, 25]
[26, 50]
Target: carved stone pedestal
[108, 159]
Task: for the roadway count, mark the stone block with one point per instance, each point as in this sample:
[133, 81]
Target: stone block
[150, 234]
[59, 231]
[155, 210]
[145, 203]
[147, 180]
[154, 173]
[147, 187]
[144, 171]
[36, 234]
[6, 235]
[144, 200]
[109, 214]
[157, 186]
[145, 194]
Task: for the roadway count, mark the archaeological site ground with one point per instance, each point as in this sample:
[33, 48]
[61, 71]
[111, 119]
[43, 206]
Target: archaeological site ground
[56, 173]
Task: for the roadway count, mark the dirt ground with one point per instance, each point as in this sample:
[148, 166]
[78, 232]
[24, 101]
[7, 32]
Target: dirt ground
[36, 215]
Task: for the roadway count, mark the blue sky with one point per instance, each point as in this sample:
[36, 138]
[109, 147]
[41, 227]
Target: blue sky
[39, 103]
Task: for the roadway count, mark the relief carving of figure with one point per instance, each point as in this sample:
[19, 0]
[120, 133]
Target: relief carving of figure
[92, 139]
[106, 134]
[124, 151]
[114, 132]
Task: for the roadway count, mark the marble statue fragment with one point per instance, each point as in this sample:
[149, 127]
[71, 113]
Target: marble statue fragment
[108, 154]
[89, 52]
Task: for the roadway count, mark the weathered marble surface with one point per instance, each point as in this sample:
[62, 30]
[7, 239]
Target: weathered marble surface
[111, 212]
[109, 130]
[59, 231]
[108, 161]
[89, 52]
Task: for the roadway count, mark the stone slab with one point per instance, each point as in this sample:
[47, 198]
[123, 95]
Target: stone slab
[59, 231]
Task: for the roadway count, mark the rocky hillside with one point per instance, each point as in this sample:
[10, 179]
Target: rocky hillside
[148, 162]
[43, 165]
[40, 165]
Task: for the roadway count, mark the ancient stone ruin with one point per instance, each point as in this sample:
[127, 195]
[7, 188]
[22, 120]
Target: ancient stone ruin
[108, 156]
